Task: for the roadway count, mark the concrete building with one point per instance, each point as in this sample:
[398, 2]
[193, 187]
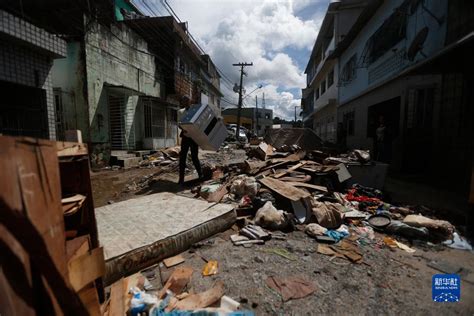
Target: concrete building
[409, 64]
[121, 82]
[26, 58]
[320, 97]
[254, 119]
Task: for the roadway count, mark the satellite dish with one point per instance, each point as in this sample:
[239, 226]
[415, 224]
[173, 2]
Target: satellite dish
[417, 44]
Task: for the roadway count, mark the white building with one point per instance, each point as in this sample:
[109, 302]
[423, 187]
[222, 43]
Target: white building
[319, 102]
[392, 36]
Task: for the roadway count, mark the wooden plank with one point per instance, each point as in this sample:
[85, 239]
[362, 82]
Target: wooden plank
[117, 298]
[301, 164]
[30, 194]
[65, 149]
[173, 261]
[177, 281]
[303, 178]
[202, 300]
[308, 185]
[90, 299]
[284, 189]
[86, 268]
[77, 247]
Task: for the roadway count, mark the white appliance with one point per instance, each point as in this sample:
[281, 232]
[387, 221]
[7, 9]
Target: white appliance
[204, 127]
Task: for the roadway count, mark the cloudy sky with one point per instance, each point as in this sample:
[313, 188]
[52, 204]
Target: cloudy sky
[276, 35]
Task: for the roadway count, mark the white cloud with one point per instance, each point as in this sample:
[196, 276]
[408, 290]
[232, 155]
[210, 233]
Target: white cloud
[258, 31]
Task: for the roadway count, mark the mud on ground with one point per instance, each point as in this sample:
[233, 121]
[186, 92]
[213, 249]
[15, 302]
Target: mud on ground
[389, 282]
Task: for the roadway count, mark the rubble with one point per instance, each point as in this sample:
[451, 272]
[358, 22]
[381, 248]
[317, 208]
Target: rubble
[269, 217]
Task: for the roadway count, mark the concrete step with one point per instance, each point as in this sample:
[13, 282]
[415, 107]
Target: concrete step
[129, 162]
[141, 153]
[115, 158]
[118, 152]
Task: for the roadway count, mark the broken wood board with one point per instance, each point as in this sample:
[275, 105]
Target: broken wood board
[253, 167]
[284, 189]
[163, 224]
[177, 282]
[71, 149]
[117, 298]
[77, 247]
[86, 268]
[299, 178]
[217, 196]
[90, 299]
[293, 168]
[308, 185]
[263, 150]
[202, 300]
[32, 230]
[173, 261]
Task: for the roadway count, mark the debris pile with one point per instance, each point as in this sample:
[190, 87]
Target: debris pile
[278, 189]
[283, 188]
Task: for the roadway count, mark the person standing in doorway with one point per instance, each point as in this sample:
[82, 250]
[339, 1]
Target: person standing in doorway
[186, 144]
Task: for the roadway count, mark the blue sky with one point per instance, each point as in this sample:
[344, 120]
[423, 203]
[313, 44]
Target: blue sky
[276, 35]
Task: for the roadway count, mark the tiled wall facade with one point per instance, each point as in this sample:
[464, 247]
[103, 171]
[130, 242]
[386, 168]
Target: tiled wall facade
[27, 32]
[25, 64]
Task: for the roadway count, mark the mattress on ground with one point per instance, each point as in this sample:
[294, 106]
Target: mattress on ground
[139, 232]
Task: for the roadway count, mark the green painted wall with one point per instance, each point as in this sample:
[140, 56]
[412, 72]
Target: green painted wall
[113, 59]
[121, 4]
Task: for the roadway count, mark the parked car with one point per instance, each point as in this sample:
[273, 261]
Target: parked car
[231, 128]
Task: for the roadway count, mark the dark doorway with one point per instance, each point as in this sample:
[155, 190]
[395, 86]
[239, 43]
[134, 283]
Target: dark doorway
[23, 111]
[383, 126]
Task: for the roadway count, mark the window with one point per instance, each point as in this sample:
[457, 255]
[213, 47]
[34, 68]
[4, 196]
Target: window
[154, 119]
[348, 122]
[330, 78]
[323, 87]
[392, 31]
[349, 70]
[317, 93]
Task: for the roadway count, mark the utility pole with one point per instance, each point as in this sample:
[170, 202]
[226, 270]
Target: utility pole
[263, 101]
[295, 115]
[239, 108]
[256, 115]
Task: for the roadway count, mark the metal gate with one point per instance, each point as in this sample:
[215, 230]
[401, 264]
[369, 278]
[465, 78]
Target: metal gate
[117, 122]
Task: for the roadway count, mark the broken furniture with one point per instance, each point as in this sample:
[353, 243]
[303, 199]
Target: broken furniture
[50, 265]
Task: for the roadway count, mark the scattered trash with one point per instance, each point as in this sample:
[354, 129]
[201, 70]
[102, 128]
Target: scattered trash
[315, 230]
[244, 185]
[392, 243]
[269, 217]
[438, 228]
[173, 261]
[281, 252]
[338, 234]
[458, 242]
[255, 232]
[210, 268]
[328, 214]
[202, 300]
[379, 221]
[404, 230]
[290, 287]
